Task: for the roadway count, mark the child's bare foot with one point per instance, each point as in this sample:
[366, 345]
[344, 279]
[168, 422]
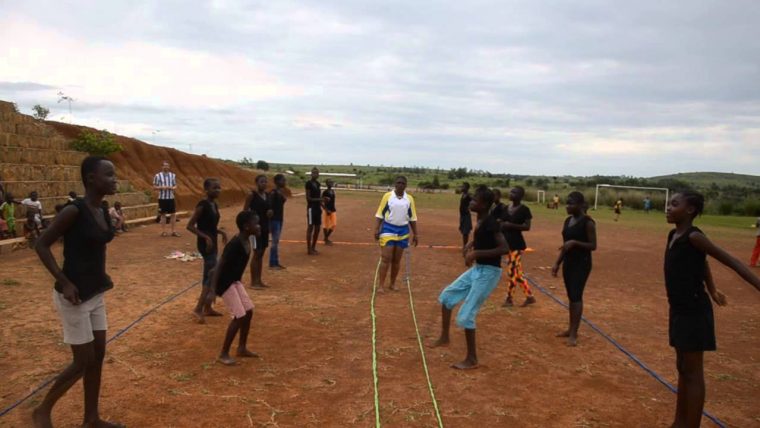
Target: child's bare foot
[100, 423]
[226, 360]
[393, 287]
[259, 286]
[41, 419]
[565, 333]
[199, 317]
[572, 341]
[381, 290]
[508, 303]
[528, 301]
[209, 312]
[467, 364]
[245, 353]
[442, 341]
[328, 242]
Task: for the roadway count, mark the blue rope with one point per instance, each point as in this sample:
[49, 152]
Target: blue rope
[628, 353]
[47, 382]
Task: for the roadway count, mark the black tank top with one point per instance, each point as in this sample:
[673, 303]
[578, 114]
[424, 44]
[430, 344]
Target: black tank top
[84, 252]
[207, 223]
[576, 232]
[484, 239]
[260, 205]
[684, 272]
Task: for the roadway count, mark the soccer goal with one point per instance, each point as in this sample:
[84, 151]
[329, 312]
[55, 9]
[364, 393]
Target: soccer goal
[541, 197]
[611, 186]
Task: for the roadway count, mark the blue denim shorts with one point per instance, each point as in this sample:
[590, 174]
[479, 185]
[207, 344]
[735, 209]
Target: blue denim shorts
[474, 286]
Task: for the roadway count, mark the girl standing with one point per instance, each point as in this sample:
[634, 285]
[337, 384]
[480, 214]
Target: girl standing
[395, 215]
[258, 202]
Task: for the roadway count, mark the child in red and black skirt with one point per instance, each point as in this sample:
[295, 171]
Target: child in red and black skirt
[688, 281]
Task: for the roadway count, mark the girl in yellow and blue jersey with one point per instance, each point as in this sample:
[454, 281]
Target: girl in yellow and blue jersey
[395, 216]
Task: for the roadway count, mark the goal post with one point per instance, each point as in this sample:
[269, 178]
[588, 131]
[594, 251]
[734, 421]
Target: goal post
[612, 186]
[540, 197]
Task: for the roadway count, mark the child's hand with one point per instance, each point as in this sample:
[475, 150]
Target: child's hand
[719, 298]
[414, 240]
[209, 242]
[555, 270]
[567, 246]
[71, 293]
[469, 257]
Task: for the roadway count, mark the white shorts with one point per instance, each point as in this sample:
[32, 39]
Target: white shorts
[79, 321]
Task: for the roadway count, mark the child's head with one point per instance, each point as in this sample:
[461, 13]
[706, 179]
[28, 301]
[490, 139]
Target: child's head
[73, 194]
[516, 194]
[33, 196]
[685, 206]
[330, 183]
[99, 175]
[280, 181]
[117, 205]
[400, 184]
[575, 203]
[465, 187]
[261, 182]
[212, 187]
[496, 195]
[482, 200]
[314, 173]
[247, 222]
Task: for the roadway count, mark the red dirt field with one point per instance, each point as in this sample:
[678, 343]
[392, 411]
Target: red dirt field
[312, 329]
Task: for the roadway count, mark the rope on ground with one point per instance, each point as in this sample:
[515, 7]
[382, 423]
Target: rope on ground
[628, 353]
[374, 345]
[47, 382]
[419, 339]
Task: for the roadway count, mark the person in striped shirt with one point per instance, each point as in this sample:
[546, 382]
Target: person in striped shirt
[166, 183]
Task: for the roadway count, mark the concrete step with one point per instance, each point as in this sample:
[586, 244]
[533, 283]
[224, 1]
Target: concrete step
[20, 189]
[10, 154]
[12, 117]
[49, 202]
[152, 218]
[140, 211]
[23, 127]
[36, 172]
[12, 139]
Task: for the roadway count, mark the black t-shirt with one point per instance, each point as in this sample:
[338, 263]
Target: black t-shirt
[207, 223]
[277, 202]
[498, 211]
[330, 206]
[515, 238]
[84, 252]
[260, 205]
[684, 272]
[576, 232]
[464, 205]
[485, 240]
[235, 259]
[313, 191]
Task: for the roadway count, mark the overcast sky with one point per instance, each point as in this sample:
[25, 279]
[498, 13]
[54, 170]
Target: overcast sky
[529, 87]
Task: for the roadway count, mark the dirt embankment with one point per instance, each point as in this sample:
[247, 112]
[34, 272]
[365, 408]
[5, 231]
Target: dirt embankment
[140, 161]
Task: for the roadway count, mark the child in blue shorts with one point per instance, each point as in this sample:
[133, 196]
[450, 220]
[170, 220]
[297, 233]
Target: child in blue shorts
[476, 284]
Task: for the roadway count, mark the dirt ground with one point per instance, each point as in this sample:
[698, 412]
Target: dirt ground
[312, 329]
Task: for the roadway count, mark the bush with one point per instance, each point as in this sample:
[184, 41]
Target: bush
[262, 165]
[40, 113]
[100, 143]
[725, 208]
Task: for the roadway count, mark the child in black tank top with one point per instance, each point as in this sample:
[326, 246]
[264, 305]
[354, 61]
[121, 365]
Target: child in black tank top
[691, 324]
[258, 202]
[204, 224]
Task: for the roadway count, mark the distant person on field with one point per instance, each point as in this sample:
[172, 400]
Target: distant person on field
[79, 289]
[690, 286]
[555, 202]
[465, 217]
[313, 212]
[277, 198]
[618, 208]
[514, 221]
[331, 217]
[483, 258]
[118, 218]
[395, 216]
[756, 250]
[225, 281]
[258, 202]
[647, 205]
[166, 183]
[8, 213]
[204, 224]
[579, 240]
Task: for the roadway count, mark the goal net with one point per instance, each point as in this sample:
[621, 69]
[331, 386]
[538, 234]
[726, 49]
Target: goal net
[541, 197]
[632, 196]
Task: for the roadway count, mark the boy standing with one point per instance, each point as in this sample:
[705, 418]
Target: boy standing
[313, 212]
[476, 284]
[331, 218]
[465, 218]
[277, 199]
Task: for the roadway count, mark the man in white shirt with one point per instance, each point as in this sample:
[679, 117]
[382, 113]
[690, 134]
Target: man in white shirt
[33, 208]
[166, 183]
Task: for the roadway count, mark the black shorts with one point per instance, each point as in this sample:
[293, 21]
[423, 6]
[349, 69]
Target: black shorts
[692, 330]
[314, 216]
[465, 224]
[167, 206]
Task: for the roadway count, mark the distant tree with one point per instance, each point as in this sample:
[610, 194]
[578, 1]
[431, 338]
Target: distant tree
[40, 113]
[15, 107]
[262, 165]
[100, 143]
[529, 182]
[436, 183]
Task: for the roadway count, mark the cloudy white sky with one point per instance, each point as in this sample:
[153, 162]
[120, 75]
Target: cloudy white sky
[530, 87]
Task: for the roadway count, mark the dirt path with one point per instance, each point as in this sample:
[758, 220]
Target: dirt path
[313, 330]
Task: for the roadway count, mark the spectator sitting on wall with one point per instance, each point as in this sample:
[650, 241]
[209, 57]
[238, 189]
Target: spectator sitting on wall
[118, 219]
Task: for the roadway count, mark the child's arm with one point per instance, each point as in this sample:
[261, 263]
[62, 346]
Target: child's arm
[514, 226]
[590, 245]
[501, 249]
[193, 222]
[215, 274]
[415, 237]
[61, 223]
[378, 224]
[248, 199]
[560, 258]
[718, 297]
[701, 242]
[224, 236]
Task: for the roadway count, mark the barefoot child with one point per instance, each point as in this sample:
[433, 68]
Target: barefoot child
[691, 325]
[277, 198]
[476, 284]
[515, 220]
[331, 217]
[204, 224]
[465, 218]
[226, 282]
[313, 212]
[579, 235]
[79, 288]
[258, 202]
[394, 218]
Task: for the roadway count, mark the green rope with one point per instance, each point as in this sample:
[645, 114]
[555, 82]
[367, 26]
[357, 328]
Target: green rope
[374, 346]
[419, 342]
